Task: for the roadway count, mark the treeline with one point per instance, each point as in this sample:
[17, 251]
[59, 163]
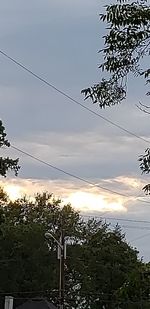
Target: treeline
[101, 269]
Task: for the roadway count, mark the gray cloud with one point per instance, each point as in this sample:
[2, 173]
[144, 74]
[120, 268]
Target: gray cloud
[59, 40]
[101, 202]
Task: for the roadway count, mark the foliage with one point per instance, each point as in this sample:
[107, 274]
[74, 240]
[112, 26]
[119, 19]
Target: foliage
[102, 266]
[135, 292]
[99, 260]
[126, 44]
[29, 262]
[145, 167]
[6, 164]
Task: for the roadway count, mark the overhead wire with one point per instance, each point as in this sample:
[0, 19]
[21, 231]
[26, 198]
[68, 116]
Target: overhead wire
[76, 176]
[135, 227]
[82, 293]
[139, 227]
[68, 173]
[117, 219]
[96, 217]
[43, 80]
[125, 226]
[100, 300]
[28, 292]
[83, 106]
[140, 237]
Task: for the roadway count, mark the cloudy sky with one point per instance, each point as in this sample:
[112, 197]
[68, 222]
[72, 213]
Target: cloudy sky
[59, 40]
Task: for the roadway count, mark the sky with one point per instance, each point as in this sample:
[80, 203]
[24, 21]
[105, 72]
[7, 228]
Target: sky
[60, 40]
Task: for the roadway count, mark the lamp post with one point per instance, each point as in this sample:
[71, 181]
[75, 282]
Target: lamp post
[61, 256]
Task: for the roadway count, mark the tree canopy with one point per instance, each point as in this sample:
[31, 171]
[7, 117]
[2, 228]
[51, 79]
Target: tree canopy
[7, 163]
[126, 49]
[126, 43]
[100, 267]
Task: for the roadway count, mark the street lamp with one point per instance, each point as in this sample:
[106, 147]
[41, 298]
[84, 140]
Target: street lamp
[61, 256]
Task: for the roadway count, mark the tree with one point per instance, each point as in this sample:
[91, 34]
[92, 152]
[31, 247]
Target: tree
[135, 291]
[100, 268]
[126, 44]
[28, 263]
[6, 164]
[99, 260]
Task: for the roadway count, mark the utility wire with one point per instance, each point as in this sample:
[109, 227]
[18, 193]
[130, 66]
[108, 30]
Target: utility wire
[101, 300]
[71, 98]
[117, 219]
[82, 293]
[83, 106]
[135, 227]
[28, 292]
[75, 176]
[140, 237]
[68, 173]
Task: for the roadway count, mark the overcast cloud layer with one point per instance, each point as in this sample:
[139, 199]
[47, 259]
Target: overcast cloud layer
[59, 40]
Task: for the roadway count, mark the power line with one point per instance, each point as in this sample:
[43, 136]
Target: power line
[147, 202]
[82, 293]
[68, 173]
[142, 301]
[124, 220]
[135, 227]
[75, 176]
[28, 292]
[140, 237]
[117, 219]
[83, 106]
[71, 98]
[118, 301]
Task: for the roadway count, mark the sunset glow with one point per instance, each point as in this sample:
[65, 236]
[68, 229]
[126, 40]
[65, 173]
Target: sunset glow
[13, 191]
[85, 201]
[81, 200]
